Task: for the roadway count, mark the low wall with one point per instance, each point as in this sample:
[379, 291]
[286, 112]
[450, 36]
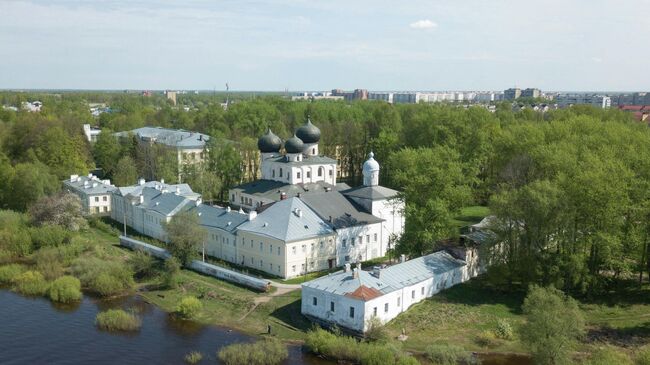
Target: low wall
[200, 266]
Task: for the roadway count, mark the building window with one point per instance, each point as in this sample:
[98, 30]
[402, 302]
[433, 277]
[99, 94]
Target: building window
[398, 301]
[270, 266]
[232, 199]
[367, 238]
[308, 174]
[273, 173]
[280, 171]
[304, 248]
[347, 258]
[251, 243]
[330, 173]
[278, 251]
[321, 244]
[353, 238]
[261, 263]
[413, 294]
[293, 250]
[261, 246]
[386, 308]
[302, 268]
[422, 291]
[375, 238]
[293, 268]
[351, 312]
[320, 171]
[252, 261]
[105, 198]
[345, 243]
[331, 306]
[298, 175]
[374, 311]
[271, 249]
[106, 209]
[96, 199]
[314, 301]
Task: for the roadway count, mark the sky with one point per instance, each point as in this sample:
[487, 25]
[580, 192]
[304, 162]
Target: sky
[561, 45]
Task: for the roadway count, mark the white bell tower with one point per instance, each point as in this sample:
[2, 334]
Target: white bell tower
[371, 171]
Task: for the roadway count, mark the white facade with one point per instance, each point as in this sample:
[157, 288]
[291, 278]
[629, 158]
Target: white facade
[95, 194]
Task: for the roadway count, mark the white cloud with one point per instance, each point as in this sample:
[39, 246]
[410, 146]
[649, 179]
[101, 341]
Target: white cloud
[423, 24]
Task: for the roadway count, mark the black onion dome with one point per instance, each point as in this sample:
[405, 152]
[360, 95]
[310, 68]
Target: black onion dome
[269, 142]
[309, 133]
[294, 145]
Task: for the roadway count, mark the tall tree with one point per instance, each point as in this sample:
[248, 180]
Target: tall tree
[185, 236]
[126, 172]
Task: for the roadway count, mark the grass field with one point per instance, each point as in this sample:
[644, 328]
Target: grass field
[471, 215]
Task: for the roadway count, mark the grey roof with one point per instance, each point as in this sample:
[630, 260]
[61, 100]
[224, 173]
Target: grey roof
[282, 221]
[271, 189]
[390, 279]
[163, 203]
[343, 214]
[183, 189]
[416, 270]
[218, 217]
[342, 283]
[171, 137]
[481, 236]
[371, 192]
[89, 185]
[307, 160]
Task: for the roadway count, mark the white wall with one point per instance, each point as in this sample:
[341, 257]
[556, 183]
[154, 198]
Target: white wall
[367, 250]
[341, 313]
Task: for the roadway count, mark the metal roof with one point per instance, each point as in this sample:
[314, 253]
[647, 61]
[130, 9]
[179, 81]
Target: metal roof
[288, 220]
[171, 137]
[164, 203]
[182, 189]
[89, 185]
[371, 192]
[221, 218]
[391, 278]
[337, 207]
[271, 189]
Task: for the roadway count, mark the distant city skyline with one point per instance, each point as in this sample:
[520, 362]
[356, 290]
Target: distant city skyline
[303, 45]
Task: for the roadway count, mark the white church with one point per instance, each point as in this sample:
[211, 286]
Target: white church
[325, 224]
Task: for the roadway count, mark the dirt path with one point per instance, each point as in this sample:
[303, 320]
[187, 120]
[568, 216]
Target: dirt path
[267, 298]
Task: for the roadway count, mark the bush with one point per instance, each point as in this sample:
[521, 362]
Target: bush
[189, 307]
[48, 262]
[9, 272]
[407, 360]
[16, 242]
[103, 277]
[609, 356]
[376, 330]
[642, 356]
[194, 357]
[30, 283]
[63, 209]
[267, 352]
[117, 320]
[486, 339]
[49, 236]
[99, 224]
[66, 289]
[448, 355]
[504, 330]
[142, 264]
[171, 268]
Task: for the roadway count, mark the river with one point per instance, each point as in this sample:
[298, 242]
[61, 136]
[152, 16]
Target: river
[35, 331]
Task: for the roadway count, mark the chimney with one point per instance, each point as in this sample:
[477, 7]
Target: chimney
[141, 199]
[140, 181]
[198, 201]
[178, 190]
[376, 272]
[299, 195]
[359, 265]
[330, 219]
[200, 137]
[355, 273]
[252, 215]
[402, 258]
[162, 181]
[347, 267]
[228, 209]
[73, 178]
[283, 195]
[327, 189]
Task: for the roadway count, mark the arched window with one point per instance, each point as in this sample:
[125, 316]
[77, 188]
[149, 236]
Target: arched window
[320, 171]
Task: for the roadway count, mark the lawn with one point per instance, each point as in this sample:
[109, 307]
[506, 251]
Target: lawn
[471, 215]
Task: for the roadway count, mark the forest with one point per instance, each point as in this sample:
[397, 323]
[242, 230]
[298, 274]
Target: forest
[569, 188]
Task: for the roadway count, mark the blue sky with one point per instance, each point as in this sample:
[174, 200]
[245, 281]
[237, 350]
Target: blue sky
[320, 45]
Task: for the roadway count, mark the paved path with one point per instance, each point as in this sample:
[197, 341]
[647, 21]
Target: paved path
[284, 286]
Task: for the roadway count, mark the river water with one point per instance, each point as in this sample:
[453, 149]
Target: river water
[35, 331]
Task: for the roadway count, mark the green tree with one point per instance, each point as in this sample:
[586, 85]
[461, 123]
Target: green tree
[126, 173]
[31, 182]
[185, 235]
[553, 324]
[107, 151]
[62, 209]
[225, 162]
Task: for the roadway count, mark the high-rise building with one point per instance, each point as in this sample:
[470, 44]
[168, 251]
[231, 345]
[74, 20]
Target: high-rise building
[512, 93]
[531, 93]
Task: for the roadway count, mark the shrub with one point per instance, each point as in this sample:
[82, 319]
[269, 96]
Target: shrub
[66, 289]
[103, 277]
[99, 224]
[117, 320]
[171, 268]
[504, 330]
[63, 209]
[30, 283]
[267, 352]
[642, 356]
[448, 355]
[9, 272]
[49, 236]
[407, 360]
[189, 307]
[376, 330]
[194, 357]
[486, 339]
[142, 264]
[48, 262]
[16, 242]
[609, 356]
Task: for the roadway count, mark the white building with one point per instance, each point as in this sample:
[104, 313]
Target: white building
[598, 101]
[350, 298]
[91, 133]
[95, 194]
